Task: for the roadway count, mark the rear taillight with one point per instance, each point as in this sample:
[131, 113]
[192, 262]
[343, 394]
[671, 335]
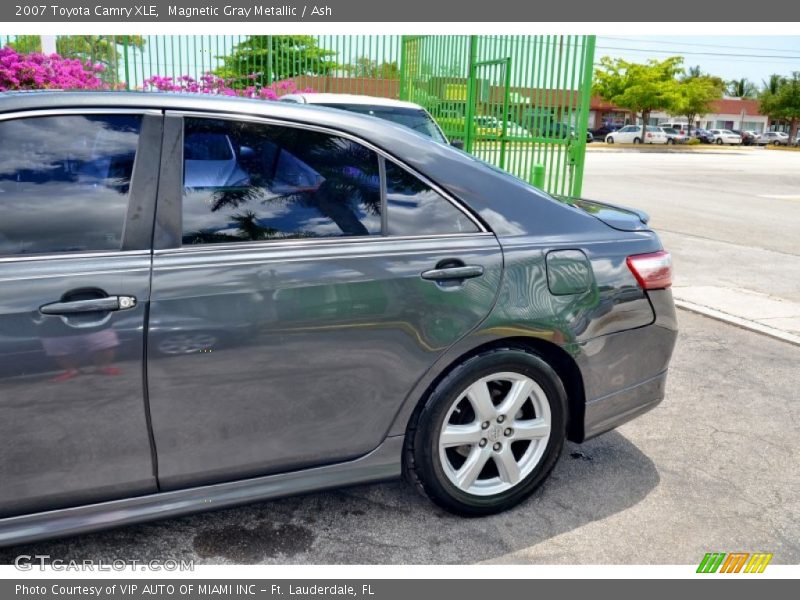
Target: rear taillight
[653, 271]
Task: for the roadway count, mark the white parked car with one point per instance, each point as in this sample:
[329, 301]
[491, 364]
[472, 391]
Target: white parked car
[682, 128]
[515, 130]
[725, 136]
[775, 138]
[408, 114]
[632, 134]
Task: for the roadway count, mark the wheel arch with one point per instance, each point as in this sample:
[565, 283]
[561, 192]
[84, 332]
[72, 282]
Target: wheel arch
[554, 355]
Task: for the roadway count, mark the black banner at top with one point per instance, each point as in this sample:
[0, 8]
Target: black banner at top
[462, 11]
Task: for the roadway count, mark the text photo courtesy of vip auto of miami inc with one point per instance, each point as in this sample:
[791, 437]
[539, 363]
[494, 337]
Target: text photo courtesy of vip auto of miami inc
[301, 298]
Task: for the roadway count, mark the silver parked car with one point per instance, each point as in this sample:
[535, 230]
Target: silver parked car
[209, 301]
[674, 136]
[773, 138]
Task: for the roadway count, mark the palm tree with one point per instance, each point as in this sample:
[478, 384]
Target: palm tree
[742, 88]
[773, 84]
[693, 72]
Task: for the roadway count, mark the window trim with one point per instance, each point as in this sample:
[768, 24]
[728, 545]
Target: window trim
[132, 236]
[171, 116]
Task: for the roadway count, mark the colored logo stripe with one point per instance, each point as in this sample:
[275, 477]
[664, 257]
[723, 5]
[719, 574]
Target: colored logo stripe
[711, 562]
[758, 562]
[734, 562]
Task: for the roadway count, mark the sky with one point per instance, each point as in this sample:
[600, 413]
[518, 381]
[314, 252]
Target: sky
[729, 57]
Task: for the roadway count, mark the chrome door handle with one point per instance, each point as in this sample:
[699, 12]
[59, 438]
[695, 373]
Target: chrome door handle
[447, 273]
[74, 307]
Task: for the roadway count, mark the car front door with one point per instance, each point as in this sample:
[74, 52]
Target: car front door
[74, 271]
[295, 301]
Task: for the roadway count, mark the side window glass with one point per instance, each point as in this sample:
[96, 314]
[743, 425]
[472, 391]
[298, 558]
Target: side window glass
[253, 182]
[414, 208]
[64, 182]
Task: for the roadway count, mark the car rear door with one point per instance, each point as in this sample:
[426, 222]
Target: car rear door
[77, 193]
[294, 309]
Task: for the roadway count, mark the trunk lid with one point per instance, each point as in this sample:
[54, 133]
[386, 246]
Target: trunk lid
[618, 217]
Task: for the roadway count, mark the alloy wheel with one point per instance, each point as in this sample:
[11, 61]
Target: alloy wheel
[495, 433]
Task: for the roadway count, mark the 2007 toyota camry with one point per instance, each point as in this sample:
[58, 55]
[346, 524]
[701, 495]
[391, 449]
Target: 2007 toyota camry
[209, 301]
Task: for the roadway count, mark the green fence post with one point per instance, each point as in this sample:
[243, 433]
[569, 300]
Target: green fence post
[269, 60]
[471, 91]
[506, 102]
[537, 176]
[580, 129]
[125, 58]
[403, 65]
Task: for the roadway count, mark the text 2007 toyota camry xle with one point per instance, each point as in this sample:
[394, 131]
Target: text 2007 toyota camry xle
[208, 301]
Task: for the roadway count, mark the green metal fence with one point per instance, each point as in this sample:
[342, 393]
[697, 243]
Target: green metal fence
[518, 102]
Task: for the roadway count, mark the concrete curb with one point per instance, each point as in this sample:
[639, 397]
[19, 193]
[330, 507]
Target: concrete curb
[670, 149]
[741, 322]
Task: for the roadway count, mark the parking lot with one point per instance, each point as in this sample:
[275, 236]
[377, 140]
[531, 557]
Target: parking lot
[730, 218]
[711, 469]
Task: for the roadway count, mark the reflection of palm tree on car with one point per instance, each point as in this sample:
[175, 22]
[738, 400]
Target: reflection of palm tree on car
[329, 174]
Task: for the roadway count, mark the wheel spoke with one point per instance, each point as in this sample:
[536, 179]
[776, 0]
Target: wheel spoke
[478, 395]
[472, 467]
[516, 397]
[532, 429]
[507, 466]
[460, 435]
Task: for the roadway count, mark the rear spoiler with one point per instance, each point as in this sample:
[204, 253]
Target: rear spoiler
[586, 203]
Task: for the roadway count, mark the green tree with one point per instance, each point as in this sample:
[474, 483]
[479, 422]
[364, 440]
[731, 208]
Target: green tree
[274, 58]
[742, 88]
[784, 103]
[107, 50]
[26, 43]
[772, 84]
[366, 67]
[641, 88]
[695, 95]
[694, 72]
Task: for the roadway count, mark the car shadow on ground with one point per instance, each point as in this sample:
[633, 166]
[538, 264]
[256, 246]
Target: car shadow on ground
[379, 524]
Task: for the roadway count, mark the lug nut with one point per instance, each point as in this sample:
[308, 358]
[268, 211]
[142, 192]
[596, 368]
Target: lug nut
[485, 425]
[500, 419]
[497, 447]
[482, 443]
[508, 431]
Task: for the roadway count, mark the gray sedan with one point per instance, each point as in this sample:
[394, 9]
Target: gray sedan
[212, 301]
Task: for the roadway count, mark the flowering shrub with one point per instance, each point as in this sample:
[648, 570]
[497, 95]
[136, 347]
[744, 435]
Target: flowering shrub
[213, 84]
[37, 71]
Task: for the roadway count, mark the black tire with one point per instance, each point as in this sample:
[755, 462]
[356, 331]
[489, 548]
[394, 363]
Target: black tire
[637, 141]
[719, 142]
[670, 141]
[610, 140]
[421, 463]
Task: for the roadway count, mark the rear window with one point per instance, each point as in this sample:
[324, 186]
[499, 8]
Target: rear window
[413, 118]
[246, 182]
